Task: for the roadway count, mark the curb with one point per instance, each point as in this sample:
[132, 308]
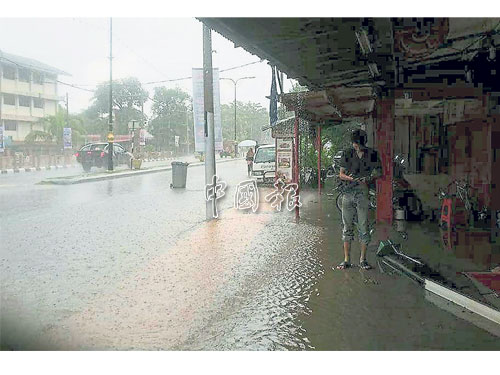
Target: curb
[122, 174]
[35, 169]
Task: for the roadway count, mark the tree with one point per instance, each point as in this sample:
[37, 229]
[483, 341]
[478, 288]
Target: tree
[250, 118]
[128, 101]
[53, 129]
[171, 116]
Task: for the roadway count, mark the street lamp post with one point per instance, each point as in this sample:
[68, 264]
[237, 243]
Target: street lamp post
[110, 123]
[235, 82]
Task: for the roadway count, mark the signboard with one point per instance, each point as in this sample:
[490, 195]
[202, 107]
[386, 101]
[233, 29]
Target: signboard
[199, 110]
[177, 141]
[67, 142]
[284, 159]
[134, 124]
[2, 146]
[142, 137]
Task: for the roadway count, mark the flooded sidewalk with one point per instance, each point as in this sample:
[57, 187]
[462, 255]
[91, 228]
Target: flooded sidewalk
[259, 281]
[355, 309]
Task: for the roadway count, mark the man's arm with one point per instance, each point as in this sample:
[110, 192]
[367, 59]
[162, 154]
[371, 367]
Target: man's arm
[343, 168]
[344, 176]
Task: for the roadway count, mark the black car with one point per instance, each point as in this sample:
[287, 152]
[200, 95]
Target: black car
[96, 155]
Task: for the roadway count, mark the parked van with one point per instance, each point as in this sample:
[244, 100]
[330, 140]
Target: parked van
[264, 164]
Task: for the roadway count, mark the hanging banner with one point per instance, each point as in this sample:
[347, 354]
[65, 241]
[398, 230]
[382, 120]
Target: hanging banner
[67, 142]
[2, 146]
[284, 158]
[198, 109]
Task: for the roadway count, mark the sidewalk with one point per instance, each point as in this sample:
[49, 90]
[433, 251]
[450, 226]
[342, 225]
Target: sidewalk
[374, 310]
[148, 167]
[33, 169]
[147, 163]
[260, 281]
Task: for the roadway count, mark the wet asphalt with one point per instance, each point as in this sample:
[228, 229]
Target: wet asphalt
[132, 264]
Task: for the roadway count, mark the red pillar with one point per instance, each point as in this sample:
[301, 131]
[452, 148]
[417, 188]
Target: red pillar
[384, 142]
[319, 146]
[296, 165]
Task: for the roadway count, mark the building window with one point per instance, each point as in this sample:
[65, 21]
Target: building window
[38, 78]
[24, 101]
[37, 103]
[9, 72]
[24, 75]
[9, 99]
[10, 125]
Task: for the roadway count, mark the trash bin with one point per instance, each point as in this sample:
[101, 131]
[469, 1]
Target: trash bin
[179, 174]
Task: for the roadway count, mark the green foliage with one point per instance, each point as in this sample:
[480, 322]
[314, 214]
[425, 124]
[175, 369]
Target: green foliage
[333, 139]
[250, 118]
[171, 117]
[53, 129]
[127, 92]
[128, 100]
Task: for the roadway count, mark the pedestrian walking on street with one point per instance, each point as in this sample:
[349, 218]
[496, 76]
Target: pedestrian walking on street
[250, 155]
[359, 167]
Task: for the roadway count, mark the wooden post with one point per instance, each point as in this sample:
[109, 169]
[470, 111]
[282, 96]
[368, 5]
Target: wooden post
[275, 159]
[385, 140]
[296, 165]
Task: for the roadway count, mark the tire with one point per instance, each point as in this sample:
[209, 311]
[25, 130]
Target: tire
[86, 167]
[338, 202]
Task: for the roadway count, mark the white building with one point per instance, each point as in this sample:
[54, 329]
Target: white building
[28, 91]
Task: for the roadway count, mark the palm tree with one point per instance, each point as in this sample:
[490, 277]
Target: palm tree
[53, 129]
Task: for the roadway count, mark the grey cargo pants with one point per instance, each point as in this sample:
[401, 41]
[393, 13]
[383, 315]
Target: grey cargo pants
[355, 201]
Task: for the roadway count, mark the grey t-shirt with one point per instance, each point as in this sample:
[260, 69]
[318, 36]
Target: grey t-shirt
[366, 166]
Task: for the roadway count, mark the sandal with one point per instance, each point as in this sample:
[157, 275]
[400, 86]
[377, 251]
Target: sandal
[364, 265]
[343, 265]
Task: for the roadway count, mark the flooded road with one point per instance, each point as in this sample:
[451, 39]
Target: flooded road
[131, 264]
[78, 259]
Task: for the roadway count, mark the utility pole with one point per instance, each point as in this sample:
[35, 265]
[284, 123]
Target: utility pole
[67, 111]
[187, 131]
[65, 152]
[210, 169]
[111, 137]
[235, 83]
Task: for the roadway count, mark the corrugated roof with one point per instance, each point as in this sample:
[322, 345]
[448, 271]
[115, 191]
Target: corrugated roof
[30, 63]
[324, 52]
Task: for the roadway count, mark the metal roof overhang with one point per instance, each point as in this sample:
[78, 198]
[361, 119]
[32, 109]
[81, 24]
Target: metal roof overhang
[333, 105]
[324, 55]
[318, 52]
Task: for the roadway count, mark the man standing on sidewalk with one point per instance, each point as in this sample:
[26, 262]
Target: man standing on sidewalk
[359, 166]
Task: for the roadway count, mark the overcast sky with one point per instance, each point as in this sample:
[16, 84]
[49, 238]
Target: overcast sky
[151, 49]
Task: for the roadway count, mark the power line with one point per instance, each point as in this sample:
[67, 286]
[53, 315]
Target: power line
[185, 78]
[115, 36]
[163, 81]
[241, 66]
[75, 86]
[155, 68]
